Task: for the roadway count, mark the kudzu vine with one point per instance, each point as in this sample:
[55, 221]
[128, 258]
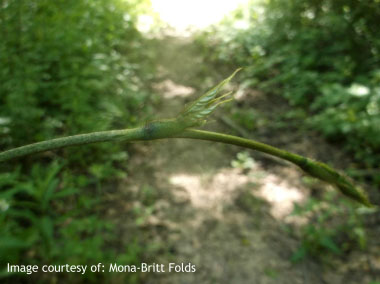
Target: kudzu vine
[182, 126]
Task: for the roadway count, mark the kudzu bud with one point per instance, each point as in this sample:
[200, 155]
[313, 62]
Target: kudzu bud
[196, 113]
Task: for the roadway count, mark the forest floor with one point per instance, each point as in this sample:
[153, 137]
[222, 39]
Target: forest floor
[233, 224]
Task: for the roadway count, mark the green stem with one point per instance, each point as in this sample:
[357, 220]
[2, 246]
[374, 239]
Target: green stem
[316, 169]
[242, 142]
[81, 139]
[170, 129]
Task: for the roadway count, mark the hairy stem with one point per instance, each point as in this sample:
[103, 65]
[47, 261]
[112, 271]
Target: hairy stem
[170, 129]
[81, 139]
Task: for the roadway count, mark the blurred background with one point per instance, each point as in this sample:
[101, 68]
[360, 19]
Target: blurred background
[310, 85]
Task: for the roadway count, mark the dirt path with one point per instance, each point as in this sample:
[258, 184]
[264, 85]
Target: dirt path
[229, 222]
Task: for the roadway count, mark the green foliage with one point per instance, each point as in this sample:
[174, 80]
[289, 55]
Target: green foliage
[322, 56]
[27, 218]
[351, 114]
[334, 227]
[46, 217]
[68, 67]
[246, 117]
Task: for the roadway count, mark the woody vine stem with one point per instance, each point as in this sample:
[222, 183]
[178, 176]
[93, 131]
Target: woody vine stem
[182, 126]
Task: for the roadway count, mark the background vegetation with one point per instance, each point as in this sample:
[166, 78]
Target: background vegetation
[322, 56]
[66, 67]
[77, 66]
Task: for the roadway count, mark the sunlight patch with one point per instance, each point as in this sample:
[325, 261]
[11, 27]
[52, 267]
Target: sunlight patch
[280, 194]
[198, 14]
[214, 193]
[170, 89]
